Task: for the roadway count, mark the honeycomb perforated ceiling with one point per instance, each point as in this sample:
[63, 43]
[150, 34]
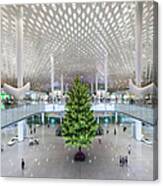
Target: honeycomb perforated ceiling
[79, 36]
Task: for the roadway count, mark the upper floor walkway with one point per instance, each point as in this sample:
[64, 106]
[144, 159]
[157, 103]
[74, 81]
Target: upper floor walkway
[9, 116]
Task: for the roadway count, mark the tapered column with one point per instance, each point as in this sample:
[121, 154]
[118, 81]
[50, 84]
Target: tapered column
[52, 73]
[138, 43]
[19, 47]
[96, 82]
[106, 73]
[62, 88]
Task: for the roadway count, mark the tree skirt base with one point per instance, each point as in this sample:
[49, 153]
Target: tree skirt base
[79, 156]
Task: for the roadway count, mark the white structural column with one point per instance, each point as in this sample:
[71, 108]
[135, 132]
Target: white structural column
[61, 120]
[33, 119]
[116, 117]
[19, 47]
[96, 82]
[21, 130]
[62, 88]
[52, 73]
[106, 72]
[137, 130]
[98, 119]
[138, 43]
[43, 118]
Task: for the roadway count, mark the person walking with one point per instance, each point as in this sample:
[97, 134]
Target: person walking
[129, 149]
[22, 164]
[99, 141]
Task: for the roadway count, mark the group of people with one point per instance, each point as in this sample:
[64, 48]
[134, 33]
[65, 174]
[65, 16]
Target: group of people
[115, 131]
[123, 161]
[33, 131]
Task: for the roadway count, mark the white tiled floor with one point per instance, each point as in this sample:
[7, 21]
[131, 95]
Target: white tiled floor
[52, 159]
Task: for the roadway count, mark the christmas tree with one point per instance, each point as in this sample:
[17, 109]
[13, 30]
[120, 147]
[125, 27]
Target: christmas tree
[79, 126]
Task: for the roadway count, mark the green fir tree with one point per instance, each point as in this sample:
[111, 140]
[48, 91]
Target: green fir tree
[79, 126]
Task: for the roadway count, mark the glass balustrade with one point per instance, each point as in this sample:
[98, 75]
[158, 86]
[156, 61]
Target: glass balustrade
[12, 115]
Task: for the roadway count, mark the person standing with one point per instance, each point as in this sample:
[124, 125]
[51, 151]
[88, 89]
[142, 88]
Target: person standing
[126, 161]
[124, 129]
[22, 164]
[115, 132]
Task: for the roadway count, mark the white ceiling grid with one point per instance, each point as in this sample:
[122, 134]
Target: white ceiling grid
[79, 35]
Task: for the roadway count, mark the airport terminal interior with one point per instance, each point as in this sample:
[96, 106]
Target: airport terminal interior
[111, 48]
